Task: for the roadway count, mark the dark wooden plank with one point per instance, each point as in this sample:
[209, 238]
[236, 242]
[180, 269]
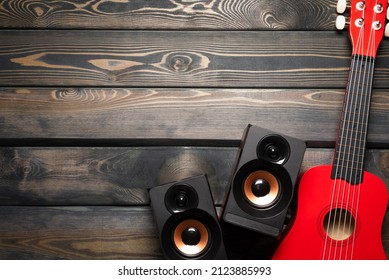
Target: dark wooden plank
[169, 14]
[179, 58]
[86, 233]
[105, 176]
[78, 233]
[191, 114]
[121, 176]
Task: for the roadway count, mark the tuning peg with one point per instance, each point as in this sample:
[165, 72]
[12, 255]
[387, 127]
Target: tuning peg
[387, 30]
[340, 22]
[341, 6]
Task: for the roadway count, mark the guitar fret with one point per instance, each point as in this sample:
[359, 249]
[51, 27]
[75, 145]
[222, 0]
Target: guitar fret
[349, 121]
[354, 133]
[350, 145]
[348, 170]
[355, 115]
[339, 161]
[348, 154]
[350, 142]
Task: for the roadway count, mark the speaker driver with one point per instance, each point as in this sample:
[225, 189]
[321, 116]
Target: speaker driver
[258, 191]
[180, 198]
[191, 238]
[274, 148]
[261, 188]
[192, 234]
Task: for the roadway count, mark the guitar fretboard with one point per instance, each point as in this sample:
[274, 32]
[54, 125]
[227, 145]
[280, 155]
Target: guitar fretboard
[351, 142]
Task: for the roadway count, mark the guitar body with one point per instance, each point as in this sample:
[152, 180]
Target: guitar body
[320, 197]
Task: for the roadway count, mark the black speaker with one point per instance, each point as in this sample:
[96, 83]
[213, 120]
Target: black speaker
[262, 186]
[187, 221]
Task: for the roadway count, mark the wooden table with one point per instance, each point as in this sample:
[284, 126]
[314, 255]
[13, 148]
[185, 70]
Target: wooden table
[100, 100]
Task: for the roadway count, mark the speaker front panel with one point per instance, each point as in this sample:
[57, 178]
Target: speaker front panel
[187, 220]
[263, 184]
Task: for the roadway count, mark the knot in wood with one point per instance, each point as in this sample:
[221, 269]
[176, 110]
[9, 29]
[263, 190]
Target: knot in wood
[183, 62]
[40, 12]
[24, 168]
[180, 63]
[68, 95]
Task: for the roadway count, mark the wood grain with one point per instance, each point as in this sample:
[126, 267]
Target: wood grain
[121, 176]
[78, 233]
[186, 59]
[105, 176]
[185, 113]
[89, 88]
[86, 233]
[169, 14]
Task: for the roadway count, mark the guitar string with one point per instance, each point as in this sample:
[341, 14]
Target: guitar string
[340, 145]
[349, 138]
[354, 155]
[353, 158]
[351, 172]
[348, 160]
[366, 95]
[362, 108]
[337, 165]
[347, 156]
[341, 159]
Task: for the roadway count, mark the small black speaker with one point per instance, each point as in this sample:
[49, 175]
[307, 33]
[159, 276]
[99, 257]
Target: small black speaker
[187, 221]
[262, 186]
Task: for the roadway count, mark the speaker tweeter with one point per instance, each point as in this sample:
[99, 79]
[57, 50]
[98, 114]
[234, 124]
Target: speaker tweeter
[274, 148]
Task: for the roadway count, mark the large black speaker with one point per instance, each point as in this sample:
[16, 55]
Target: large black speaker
[187, 221]
[263, 183]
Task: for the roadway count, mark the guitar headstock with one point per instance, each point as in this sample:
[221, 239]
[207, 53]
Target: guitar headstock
[366, 25]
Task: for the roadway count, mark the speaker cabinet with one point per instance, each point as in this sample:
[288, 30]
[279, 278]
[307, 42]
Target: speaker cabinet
[263, 184]
[187, 221]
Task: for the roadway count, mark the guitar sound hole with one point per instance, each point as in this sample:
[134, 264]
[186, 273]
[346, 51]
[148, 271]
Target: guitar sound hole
[339, 224]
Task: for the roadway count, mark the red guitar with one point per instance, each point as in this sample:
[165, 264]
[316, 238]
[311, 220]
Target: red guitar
[341, 207]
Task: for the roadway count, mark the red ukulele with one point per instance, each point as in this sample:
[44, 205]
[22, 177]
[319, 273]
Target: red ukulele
[341, 207]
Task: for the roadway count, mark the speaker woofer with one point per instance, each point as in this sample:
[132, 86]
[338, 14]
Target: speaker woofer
[261, 188]
[178, 244]
[191, 238]
[270, 203]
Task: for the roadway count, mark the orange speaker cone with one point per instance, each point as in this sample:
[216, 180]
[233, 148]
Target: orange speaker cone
[261, 188]
[191, 238]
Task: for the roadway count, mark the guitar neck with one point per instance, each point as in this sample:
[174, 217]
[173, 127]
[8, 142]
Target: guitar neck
[351, 141]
